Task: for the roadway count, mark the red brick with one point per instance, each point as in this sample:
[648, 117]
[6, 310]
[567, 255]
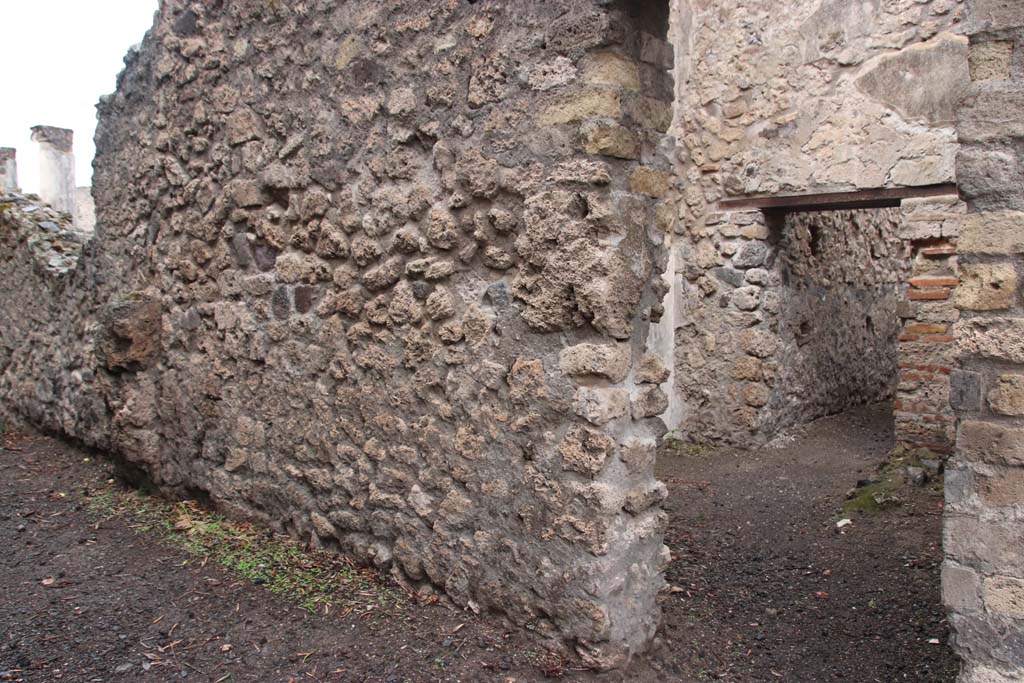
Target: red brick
[929, 242]
[913, 407]
[926, 368]
[934, 281]
[923, 376]
[926, 338]
[928, 294]
[924, 412]
[939, 251]
[926, 328]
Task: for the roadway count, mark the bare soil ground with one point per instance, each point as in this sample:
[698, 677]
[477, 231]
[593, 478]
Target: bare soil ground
[771, 589]
[766, 587]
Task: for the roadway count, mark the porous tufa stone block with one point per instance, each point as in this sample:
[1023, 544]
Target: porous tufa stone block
[991, 60]
[992, 338]
[1007, 397]
[986, 287]
[129, 337]
[610, 139]
[992, 232]
[991, 442]
[588, 104]
[1004, 596]
[585, 451]
[652, 370]
[649, 402]
[989, 113]
[600, 405]
[609, 68]
[994, 15]
[650, 182]
[611, 361]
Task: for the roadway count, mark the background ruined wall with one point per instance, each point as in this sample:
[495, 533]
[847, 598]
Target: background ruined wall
[796, 98]
[840, 275]
[983, 576]
[380, 275]
[808, 323]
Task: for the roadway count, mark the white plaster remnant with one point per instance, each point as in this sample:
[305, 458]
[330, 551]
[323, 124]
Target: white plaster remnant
[56, 168]
[8, 169]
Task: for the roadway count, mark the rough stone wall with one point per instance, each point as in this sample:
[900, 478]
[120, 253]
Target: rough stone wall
[381, 275]
[43, 275]
[790, 98]
[983, 576]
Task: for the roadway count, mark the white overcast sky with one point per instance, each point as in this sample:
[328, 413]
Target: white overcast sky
[59, 57]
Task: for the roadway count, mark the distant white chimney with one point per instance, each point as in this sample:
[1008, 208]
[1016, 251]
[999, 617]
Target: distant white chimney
[56, 167]
[8, 169]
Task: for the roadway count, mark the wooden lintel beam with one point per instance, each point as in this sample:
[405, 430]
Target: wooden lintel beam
[876, 198]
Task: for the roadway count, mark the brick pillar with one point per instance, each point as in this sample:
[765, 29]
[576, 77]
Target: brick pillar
[983, 575]
[924, 418]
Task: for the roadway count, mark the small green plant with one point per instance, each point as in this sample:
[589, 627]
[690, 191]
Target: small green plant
[873, 497]
[315, 580]
[881, 492]
[672, 445]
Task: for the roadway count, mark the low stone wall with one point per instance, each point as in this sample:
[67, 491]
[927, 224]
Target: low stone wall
[47, 279]
[382, 276]
[983, 576]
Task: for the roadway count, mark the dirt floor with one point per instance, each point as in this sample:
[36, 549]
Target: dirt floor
[766, 587]
[773, 590]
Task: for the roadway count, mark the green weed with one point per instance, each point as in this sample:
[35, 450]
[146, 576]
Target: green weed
[313, 579]
[883, 491]
[673, 446]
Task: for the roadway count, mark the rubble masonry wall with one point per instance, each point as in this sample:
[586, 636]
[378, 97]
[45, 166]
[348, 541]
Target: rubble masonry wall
[381, 275]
